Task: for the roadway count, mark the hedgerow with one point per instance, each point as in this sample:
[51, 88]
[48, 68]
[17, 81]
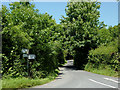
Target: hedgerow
[24, 27]
[105, 58]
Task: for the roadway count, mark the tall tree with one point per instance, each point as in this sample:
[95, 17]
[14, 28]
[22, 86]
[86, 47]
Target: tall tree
[24, 27]
[81, 26]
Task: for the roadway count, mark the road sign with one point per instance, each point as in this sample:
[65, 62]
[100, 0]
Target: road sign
[31, 56]
[25, 55]
[25, 51]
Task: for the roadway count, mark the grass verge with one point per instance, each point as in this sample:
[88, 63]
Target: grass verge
[101, 69]
[0, 84]
[24, 82]
[104, 72]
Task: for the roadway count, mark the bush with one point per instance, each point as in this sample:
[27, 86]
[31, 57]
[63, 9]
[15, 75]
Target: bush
[24, 27]
[104, 57]
[105, 36]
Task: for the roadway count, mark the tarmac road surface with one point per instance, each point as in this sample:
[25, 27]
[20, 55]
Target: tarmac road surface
[69, 77]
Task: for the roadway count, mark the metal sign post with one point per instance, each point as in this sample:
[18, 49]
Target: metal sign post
[28, 56]
[25, 55]
[28, 66]
[31, 57]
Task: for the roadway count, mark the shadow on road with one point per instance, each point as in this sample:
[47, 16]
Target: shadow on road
[60, 73]
[68, 66]
[59, 76]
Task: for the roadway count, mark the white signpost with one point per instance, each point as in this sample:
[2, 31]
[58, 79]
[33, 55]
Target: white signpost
[25, 55]
[25, 51]
[31, 56]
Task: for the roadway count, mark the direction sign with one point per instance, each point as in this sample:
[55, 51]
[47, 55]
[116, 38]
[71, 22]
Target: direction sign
[31, 56]
[25, 55]
[25, 51]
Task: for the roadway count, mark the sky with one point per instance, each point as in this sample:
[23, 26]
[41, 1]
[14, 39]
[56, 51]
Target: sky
[108, 10]
[119, 12]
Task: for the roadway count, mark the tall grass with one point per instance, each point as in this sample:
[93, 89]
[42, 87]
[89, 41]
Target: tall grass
[101, 69]
[0, 84]
[104, 59]
[23, 82]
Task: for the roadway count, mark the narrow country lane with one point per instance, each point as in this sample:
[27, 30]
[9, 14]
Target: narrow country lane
[71, 78]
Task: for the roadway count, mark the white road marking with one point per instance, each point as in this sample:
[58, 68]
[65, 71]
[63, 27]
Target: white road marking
[102, 83]
[111, 80]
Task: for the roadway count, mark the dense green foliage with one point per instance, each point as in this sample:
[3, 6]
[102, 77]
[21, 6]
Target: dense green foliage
[106, 55]
[107, 35]
[80, 35]
[81, 25]
[24, 27]
[23, 82]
